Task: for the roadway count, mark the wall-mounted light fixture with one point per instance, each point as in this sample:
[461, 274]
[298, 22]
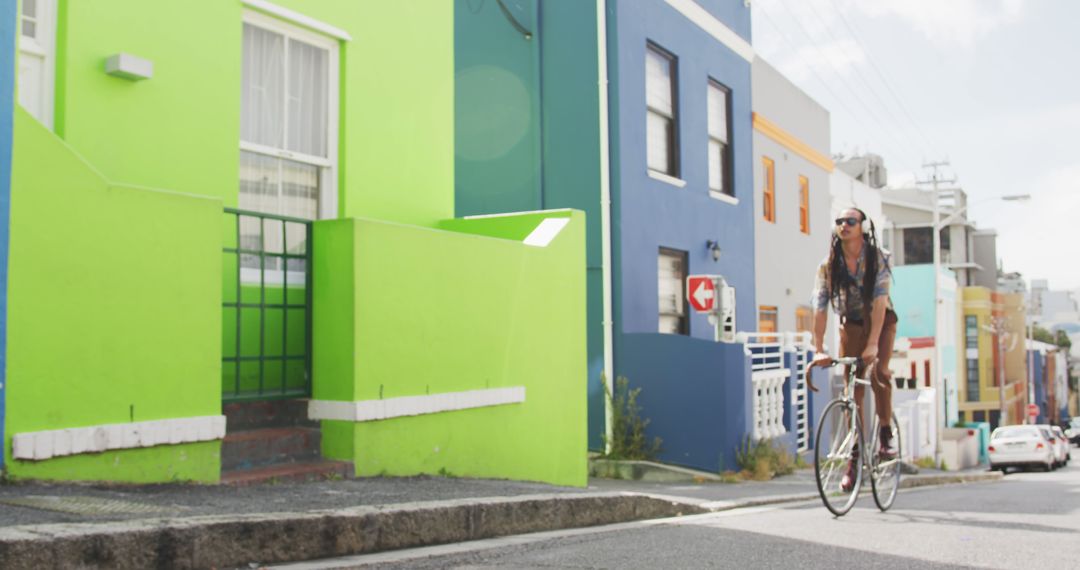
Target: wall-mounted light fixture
[714, 247]
[127, 66]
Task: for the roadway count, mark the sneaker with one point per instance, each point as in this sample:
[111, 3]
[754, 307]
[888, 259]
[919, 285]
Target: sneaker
[885, 450]
[848, 482]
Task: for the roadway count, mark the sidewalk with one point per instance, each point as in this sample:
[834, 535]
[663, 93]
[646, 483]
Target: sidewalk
[195, 526]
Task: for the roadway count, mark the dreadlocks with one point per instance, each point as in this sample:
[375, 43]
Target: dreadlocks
[840, 280]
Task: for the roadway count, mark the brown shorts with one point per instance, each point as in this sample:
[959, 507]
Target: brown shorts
[853, 337]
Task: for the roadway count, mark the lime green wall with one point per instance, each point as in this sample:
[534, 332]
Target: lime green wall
[115, 311]
[180, 129]
[411, 311]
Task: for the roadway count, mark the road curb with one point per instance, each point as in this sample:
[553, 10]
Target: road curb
[224, 541]
[949, 479]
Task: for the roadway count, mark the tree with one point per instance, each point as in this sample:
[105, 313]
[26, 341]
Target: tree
[1042, 335]
[1062, 340]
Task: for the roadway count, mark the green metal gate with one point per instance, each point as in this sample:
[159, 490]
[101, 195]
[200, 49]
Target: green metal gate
[266, 309]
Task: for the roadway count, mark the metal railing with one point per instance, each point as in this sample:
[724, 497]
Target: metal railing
[266, 328]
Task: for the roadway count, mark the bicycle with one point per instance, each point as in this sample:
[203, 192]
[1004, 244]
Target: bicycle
[838, 441]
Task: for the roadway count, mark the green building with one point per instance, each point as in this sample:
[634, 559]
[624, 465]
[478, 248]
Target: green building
[218, 202]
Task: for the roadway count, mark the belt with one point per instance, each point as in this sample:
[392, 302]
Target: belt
[847, 320]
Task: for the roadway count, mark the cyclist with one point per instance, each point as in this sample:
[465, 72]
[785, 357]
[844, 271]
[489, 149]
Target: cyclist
[855, 280]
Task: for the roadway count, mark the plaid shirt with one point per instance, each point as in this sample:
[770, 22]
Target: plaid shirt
[850, 303]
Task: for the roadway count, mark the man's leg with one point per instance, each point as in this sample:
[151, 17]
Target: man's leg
[882, 383]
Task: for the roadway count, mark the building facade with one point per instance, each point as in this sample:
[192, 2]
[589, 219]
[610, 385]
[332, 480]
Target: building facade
[792, 202]
[222, 231]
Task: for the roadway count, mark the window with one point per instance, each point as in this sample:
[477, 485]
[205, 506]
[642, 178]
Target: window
[804, 205]
[37, 23]
[946, 245]
[288, 140]
[971, 331]
[770, 188]
[973, 380]
[918, 246]
[671, 280]
[661, 128]
[767, 319]
[804, 319]
[719, 149]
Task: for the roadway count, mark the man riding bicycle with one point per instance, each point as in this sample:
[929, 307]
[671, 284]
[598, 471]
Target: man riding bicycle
[855, 280]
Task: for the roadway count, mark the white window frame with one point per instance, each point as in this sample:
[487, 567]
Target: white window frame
[43, 45]
[328, 176]
[727, 166]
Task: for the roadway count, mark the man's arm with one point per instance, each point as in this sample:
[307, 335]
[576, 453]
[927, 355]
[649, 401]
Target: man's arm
[821, 318]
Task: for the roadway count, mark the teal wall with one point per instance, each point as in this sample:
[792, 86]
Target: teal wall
[527, 129]
[913, 297]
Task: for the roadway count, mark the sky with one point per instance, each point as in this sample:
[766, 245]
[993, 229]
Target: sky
[991, 86]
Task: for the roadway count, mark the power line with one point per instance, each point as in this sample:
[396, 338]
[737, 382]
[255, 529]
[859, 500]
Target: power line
[881, 75]
[869, 87]
[840, 76]
[809, 67]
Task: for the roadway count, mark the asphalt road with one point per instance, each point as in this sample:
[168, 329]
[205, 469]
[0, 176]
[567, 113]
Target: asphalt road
[1028, 520]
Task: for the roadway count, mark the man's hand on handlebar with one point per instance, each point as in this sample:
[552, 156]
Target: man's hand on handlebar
[821, 359]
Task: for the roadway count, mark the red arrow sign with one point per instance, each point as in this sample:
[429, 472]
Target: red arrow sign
[701, 292]
[1033, 410]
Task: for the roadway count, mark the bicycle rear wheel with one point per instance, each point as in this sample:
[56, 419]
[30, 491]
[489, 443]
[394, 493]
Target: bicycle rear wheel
[836, 448]
[885, 474]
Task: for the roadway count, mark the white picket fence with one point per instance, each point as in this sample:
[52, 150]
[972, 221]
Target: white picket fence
[769, 373]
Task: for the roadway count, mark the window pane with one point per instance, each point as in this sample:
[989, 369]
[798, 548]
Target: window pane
[275, 186]
[29, 28]
[671, 278]
[308, 89]
[717, 113]
[262, 87]
[660, 136]
[918, 246]
[716, 165]
[658, 82]
[29, 8]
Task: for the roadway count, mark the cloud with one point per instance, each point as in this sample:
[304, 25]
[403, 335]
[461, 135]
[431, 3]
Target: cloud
[949, 23]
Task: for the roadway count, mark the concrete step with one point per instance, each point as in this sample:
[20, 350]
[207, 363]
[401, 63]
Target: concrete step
[250, 449]
[289, 472]
[240, 416]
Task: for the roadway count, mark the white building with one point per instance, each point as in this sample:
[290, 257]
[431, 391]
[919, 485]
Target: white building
[793, 217]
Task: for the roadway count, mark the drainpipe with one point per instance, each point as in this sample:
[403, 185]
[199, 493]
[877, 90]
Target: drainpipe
[605, 216]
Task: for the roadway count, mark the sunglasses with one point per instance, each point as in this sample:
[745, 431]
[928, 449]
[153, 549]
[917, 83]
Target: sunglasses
[851, 221]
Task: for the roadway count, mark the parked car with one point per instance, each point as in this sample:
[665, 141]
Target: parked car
[1073, 431]
[1020, 446]
[1059, 448]
[1063, 442]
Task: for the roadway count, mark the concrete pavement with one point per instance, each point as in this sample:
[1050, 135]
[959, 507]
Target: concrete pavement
[195, 526]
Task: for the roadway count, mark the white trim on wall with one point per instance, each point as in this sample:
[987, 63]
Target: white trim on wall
[374, 410]
[714, 27]
[298, 18]
[40, 445]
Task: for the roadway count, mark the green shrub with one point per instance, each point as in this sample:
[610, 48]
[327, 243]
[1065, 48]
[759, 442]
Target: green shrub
[628, 439]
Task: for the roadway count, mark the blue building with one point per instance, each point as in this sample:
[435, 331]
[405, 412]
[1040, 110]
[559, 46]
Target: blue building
[682, 186]
[661, 161]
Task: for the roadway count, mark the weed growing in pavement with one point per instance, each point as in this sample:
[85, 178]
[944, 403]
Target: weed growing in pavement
[628, 439]
[444, 472]
[926, 463]
[764, 459]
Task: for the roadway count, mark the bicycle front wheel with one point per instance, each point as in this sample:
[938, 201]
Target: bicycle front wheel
[885, 473]
[836, 454]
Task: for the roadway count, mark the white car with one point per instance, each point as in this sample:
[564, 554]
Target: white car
[1059, 445]
[1062, 441]
[1020, 446]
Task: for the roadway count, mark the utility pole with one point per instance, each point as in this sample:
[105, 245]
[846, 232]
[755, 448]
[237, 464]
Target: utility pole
[998, 327]
[935, 180]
